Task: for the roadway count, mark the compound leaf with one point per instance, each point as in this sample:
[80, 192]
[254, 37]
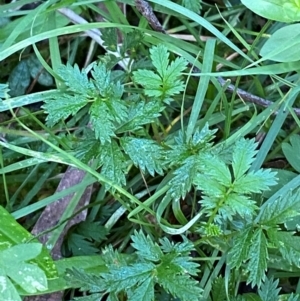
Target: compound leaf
[269, 290]
[102, 121]
[145, 247]
[144, 153]
[62, 107]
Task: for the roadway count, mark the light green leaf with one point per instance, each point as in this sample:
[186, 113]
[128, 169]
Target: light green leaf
[243, 155]
[144, 153]
[160, 59]
[102, 79]
[140, 113]
[102, 121]
[217, 169]
[240, 247]
[123, 278]
[283, 45]
[145, 247]
[269, 290]
[258, 255]
[209, 186]
[7, 289]
[113, 163]
[77, 81]
[255, 182]
[292, 152]
[150, 80]
[61, 107]
[110, 38]
[278, 10]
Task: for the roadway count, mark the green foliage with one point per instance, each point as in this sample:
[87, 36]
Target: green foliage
[167, 264]
[193, 5]
[165, 82]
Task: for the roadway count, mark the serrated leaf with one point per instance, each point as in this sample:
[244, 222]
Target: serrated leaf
[166, 83]
[240, 248]
[88, 148]
[86, 282]
[281, 210]
[150, 80]
[181, 286]
[288, 245]
[183, 248]
[209, 185]
[80, 246]
[292, 151]
[77, 81]
[269, 290]
[182, 182]
[217, 169]
[124, 278]
[102, 79]
[258, 255]
[145, 247]
[143, 292]
[218, 290]
[255, 182]
[144, 153]
[113, 163]
[60, 108]
[141, 113]
[110, 38]
[92, 230]
[102, 121]
[243, 155]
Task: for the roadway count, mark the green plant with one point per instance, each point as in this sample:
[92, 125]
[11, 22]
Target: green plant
[163, 145]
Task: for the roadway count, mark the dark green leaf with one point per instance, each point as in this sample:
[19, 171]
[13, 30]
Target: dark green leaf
[78, 245]
[240, 248]
[181, 286]
[142, 292]
[38, 72]
[110, 38]
[19, 79]
[193, 5]
[145, 247]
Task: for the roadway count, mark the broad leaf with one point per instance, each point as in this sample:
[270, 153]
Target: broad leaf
[278, 10]
[283, 45]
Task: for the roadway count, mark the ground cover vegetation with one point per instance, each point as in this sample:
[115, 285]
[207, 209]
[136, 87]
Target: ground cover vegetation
[149, 150]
